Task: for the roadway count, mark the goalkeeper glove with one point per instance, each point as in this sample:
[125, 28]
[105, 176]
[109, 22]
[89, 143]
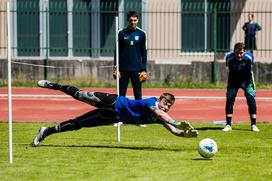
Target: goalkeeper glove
[183, 125]
[188, 133]
[114, 73]
[142, 76]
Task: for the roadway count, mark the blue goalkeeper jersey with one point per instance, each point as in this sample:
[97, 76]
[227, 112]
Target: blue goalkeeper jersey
[132, 50]
[136, 111]
[240, 71]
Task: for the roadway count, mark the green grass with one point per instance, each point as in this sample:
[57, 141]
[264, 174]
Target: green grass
[150, 153]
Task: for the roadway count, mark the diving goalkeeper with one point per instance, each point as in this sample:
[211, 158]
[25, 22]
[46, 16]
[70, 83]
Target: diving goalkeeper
[112, 109]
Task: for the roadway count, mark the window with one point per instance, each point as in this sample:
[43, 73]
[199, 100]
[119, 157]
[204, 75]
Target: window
[58, 38]
[108, 11]
[135, 5]
[205, 25]
[66, 28]
[82, 21]
[28, 32]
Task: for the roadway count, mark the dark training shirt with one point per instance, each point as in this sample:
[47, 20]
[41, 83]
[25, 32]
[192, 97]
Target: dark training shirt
[251, 28]
[240, 71]
[132, 50]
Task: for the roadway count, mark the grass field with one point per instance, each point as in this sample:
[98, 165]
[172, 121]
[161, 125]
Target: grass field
[150, 153]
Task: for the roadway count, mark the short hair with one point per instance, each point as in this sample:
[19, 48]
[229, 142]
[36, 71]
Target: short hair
[251, 15]
[239, 46]
[169, 97]
[132, 14]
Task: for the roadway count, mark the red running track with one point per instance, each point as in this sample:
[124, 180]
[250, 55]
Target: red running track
[197, 105]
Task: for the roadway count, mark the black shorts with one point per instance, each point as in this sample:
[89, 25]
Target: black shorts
[250, 43]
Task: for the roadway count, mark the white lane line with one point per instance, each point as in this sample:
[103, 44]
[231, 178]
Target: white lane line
[49, 96]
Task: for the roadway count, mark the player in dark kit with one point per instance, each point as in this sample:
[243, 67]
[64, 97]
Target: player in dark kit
[240, 64]
[250, 29]
[132, 56]
[112, 109]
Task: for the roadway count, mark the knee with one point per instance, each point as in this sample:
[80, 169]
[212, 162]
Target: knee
[88, 97]
[250, 99]
[231, 95]
[251, 104]
[82, 95]
[249, 91]
[230, 101]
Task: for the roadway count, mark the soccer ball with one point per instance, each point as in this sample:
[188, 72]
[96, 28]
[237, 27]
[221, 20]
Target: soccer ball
[207, 148]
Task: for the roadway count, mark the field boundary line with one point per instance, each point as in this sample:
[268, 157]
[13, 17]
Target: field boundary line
[50, 96]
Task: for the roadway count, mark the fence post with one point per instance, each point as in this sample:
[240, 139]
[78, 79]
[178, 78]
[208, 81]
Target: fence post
[214, 63]
[46, 41]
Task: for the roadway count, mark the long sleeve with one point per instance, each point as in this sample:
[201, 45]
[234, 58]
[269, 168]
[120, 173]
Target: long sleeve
[144, 52]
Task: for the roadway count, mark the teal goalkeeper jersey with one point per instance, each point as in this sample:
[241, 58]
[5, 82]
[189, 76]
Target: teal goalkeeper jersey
[136, 111]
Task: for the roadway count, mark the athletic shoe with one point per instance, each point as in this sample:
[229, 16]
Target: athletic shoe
[227, 128]
[142, 125]
[39, 137]
[45, 84]
[190, 133]
[184, 125]
[255, 128]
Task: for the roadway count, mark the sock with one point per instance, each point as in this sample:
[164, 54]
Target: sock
[253, 121]
[228, 120]
[49, 131]
[56, 86]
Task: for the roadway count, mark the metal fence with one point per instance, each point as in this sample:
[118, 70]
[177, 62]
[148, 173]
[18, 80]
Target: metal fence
[176, 30]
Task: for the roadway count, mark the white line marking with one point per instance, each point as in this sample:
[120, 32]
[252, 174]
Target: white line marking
[50, 96]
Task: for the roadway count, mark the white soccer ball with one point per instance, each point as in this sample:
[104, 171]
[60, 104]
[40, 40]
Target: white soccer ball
[207, 148]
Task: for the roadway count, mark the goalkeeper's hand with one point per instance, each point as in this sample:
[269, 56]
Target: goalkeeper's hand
[114, 73]
[142, 76]
[184, 125]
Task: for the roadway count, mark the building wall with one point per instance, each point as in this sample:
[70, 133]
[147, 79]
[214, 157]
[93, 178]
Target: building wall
[101, 71]
[163, 29]
[262, 10]
[3, 29]
[156, 30]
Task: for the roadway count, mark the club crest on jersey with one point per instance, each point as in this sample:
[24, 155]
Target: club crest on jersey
[136, 37]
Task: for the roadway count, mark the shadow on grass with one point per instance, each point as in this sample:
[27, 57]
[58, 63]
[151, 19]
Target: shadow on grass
[220, 128]
[209, 128]
[242, 129]
[206, 159]
[115, 147]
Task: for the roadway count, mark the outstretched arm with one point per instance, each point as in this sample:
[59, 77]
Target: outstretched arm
[182, 128]
[173, 129]
[182, 125]
[181, 132]
[166, 118]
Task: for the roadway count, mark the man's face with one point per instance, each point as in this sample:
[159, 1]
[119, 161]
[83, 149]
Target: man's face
[132, 22]
[239, 53]
[164, 105]
[250, 17]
